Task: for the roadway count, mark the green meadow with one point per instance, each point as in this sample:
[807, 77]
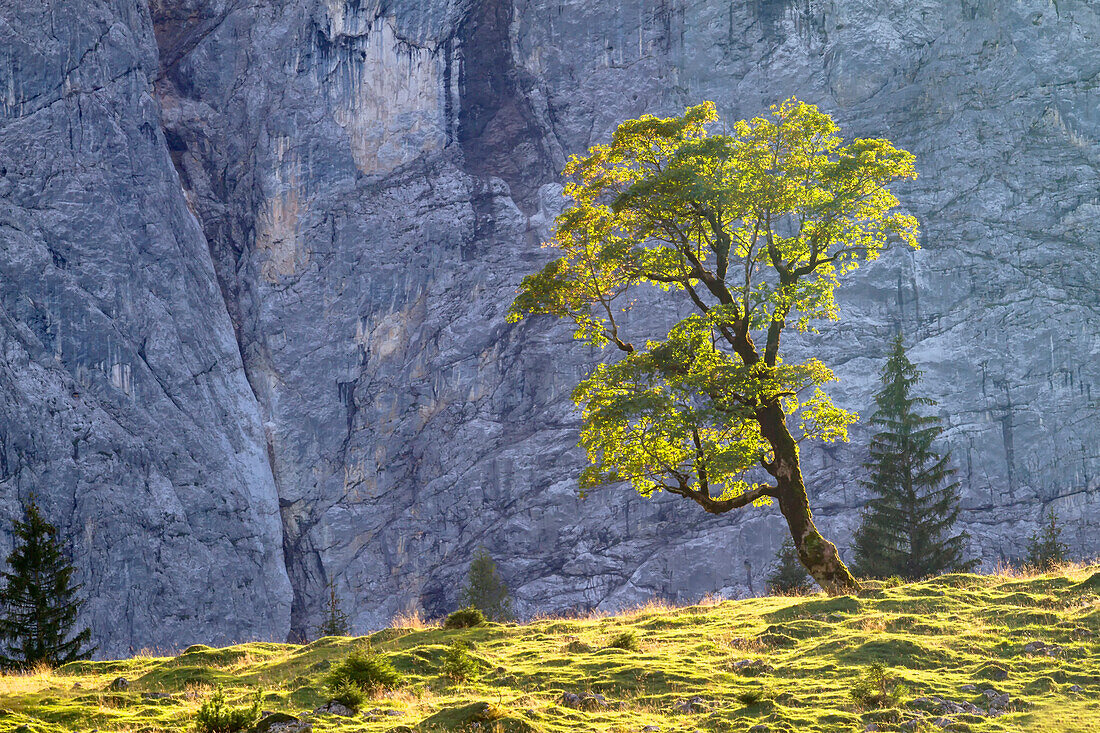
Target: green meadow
[761, 664]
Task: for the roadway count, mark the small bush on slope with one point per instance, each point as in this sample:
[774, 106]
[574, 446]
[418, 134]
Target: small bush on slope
[348, 694]
[626, 640]
[367, 670]
[876, 689]
[464, 618]
[458, 664]
[215, 715]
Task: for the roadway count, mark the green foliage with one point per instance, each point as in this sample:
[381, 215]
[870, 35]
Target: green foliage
[216, 716]
[625, 640]
[484, 589]
[789, 575]
[753, 229]
[348, 694]
[1045, 550]
[38, 599]
[906, 527]
[336, 622]
[875, 689]
[457, 662]
[750, 231]
[365, 669]
[464, 618]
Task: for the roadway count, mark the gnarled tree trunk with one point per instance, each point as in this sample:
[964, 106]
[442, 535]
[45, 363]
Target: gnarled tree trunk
[819, 555]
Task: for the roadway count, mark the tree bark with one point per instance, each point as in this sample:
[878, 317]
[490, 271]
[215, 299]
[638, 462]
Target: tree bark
[819, 555]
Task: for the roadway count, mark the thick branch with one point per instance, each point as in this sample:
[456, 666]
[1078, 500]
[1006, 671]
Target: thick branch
[771, 347]
[721, 506]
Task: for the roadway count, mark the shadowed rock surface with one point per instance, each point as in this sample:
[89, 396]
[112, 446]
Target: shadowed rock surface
[257, 257]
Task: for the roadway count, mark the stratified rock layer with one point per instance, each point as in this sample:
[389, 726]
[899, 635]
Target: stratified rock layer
[359, 188]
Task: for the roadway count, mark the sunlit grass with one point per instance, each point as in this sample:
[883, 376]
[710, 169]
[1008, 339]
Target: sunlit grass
[786, 663]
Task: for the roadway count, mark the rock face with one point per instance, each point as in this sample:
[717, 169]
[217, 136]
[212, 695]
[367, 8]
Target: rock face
[125, 405]
[257, 258]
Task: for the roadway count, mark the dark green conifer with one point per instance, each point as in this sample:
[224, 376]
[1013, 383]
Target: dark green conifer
[1045, 549]
[336, 622]
[485, 590]
[38, 602]
[906, 526]
[790, 574]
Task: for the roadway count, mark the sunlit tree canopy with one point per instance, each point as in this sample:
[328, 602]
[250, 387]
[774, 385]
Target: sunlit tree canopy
[748, 229]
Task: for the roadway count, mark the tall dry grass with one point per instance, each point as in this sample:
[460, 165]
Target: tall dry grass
[21, 682]
[412, 619]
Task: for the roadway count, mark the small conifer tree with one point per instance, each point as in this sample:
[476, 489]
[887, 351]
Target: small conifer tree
[790, 574]
[906, 526]
[336, 621]
[485, 590]
[38, 602]
[1045, 549]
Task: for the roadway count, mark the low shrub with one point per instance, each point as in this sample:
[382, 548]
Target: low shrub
[367, 670]
[216, 716]
[876, 689]
[348, 695]
[626, 640]
[458, 664]
[464, 618]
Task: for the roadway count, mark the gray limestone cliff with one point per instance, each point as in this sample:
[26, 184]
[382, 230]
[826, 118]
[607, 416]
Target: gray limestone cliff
[256, 258]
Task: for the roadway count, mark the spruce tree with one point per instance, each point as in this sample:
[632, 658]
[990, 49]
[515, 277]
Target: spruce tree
[1045, 549]
[906, 526]
[38, 602]
[336, 622]
[485, 590]
[790, 574]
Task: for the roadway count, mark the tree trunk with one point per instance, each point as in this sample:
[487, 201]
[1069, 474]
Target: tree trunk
[819, 555]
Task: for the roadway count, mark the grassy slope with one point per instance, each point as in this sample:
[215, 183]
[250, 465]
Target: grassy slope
[935, 636]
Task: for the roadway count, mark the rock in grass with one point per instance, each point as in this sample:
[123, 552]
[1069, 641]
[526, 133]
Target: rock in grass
[282, 723]
[997, 700]
[584, 702]
[334, 708]
[693, 705]
[1042, 648]
[752, 667]
[935, 704]
[118, 684]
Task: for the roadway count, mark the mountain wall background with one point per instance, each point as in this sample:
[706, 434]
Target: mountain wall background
[255, 259]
